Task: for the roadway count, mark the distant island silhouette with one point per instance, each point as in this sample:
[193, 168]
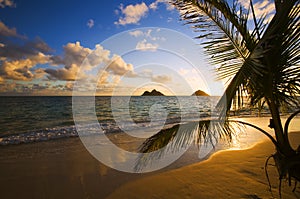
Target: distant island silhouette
[152, 93]
[200, 93]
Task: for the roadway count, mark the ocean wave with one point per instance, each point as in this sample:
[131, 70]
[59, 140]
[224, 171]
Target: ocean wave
[39, 135]
[106, 127]
[47, 134]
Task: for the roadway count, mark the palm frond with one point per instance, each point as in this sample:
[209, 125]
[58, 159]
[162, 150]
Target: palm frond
[241, 54]
[243, 84]
[228, 42]
[181, 136]
[227, 39]
[272, 68]
[288, 78]
[278, 58]
[264, 66]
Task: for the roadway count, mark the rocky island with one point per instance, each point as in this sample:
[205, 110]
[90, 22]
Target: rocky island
[200, 93]
[152, 93]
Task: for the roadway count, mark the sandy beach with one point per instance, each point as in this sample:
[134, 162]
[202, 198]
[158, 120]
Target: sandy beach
[227, 174]
[64, 169]
[156, 99]
[56, 169]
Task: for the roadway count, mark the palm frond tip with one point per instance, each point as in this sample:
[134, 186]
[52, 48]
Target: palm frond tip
[182, 135]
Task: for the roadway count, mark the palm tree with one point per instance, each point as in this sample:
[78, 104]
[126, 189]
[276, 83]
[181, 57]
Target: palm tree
[261, 64]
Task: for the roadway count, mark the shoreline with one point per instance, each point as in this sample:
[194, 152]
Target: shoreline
[64, 132]
[63, 168]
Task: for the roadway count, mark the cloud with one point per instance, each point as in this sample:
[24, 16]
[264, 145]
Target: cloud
[132, 14]
[8, 32]
[147, 34]
[44, 88]
[98, 55]
[19, 65]
[7, 3]
[69, 86]
[119, 67]
[7, 87]
[148, 73]
[62, 73]
[15, 46]
[22, 69]
[16, 51]
[183, 71]
[39, 86]
[260, 7]
[76, 56]
[20, 59]
[145, 46]
[90, 23]
[139, 33]
[161, 78]
[18, 55]
[102, 79]
[136, 33]
[154, 5]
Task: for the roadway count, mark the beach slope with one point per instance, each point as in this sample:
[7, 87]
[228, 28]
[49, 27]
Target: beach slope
[227, 174]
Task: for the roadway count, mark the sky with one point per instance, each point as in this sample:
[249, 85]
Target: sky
[103, 47]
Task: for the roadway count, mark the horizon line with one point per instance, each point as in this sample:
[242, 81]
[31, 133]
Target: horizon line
[103, 96]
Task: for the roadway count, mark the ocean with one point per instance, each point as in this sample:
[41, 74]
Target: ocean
[124, 121]
[32, 119]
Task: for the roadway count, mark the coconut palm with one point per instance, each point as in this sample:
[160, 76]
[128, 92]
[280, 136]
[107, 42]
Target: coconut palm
[260, 62]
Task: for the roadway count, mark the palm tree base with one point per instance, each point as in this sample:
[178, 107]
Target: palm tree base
[288, 168]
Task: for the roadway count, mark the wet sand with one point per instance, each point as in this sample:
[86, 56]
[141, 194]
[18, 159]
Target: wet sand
[65, 169]
[56, 169]
[62, 169]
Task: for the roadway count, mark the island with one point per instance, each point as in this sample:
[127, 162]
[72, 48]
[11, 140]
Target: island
[152, 93]
[200, 93]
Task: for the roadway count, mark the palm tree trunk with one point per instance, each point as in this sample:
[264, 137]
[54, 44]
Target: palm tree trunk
[283, 8]
[283, 142]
